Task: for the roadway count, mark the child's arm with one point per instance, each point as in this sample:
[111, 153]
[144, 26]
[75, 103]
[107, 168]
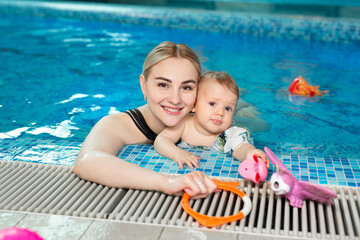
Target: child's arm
[165, 145]
[246, 150]
[239, 144]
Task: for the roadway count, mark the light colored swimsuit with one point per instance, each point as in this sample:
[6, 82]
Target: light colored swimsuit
[226, 141]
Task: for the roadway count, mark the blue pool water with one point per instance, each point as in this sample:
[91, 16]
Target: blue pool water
[58, 77]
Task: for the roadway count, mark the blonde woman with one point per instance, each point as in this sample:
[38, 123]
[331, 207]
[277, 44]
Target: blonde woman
[169, 83]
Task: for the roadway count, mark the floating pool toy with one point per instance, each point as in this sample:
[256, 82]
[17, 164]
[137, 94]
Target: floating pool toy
[253, 169]
[283, 183]
[300, 87]
[210, 221]
[16, 233]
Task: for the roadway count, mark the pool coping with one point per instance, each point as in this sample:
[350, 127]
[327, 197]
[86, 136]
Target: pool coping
[319, 170]
[264, 25]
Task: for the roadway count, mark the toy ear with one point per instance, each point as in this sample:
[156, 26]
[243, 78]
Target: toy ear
[279, 169]
[273, 158]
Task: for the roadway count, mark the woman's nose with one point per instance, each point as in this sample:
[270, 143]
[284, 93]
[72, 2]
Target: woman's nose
[175, 97]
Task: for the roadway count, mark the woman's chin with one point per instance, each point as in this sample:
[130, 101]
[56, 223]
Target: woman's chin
[171, 123]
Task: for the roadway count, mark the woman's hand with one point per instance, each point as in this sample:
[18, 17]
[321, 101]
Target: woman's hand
[259, 154]
[184, 157]
[197, 184]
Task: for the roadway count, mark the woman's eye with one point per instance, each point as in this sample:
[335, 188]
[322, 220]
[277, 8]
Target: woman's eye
[162, 85]
[187, 88]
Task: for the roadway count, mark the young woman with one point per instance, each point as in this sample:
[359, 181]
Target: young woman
[169, 83]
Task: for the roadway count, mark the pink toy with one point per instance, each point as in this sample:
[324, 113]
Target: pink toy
[283, 183]
[16, 233]
[253, 169]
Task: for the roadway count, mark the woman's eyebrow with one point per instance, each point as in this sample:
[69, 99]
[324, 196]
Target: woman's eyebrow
[168, 80]
[162, 78]
[189, 81]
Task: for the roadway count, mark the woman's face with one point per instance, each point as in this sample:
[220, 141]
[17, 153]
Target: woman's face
[171, 89]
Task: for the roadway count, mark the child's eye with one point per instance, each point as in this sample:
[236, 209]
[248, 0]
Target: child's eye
[212, 103]
[229, 109]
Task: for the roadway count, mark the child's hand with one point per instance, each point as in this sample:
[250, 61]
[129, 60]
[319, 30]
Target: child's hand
[259, 154]
[187, 158]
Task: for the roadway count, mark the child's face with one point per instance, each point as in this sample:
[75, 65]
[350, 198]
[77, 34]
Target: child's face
[215, 106]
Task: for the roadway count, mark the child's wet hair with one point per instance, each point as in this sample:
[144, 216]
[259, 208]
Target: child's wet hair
[222, 78]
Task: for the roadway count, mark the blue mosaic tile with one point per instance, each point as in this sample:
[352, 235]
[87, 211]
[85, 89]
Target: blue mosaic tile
[60, 152]
[309, 28]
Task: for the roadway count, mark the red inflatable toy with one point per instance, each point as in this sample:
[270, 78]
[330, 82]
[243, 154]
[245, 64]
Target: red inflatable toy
[300, 87]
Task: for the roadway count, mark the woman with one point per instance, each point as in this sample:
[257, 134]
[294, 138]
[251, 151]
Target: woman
[169, 83]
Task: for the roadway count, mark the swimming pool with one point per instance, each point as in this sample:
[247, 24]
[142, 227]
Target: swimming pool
[61, 74]
[74, 72]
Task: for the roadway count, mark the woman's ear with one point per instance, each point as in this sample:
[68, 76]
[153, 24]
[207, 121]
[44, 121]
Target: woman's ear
[143, 85]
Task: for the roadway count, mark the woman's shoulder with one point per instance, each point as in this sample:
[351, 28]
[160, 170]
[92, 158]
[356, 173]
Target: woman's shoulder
[121, 127]
[115, 121]
[115, 117]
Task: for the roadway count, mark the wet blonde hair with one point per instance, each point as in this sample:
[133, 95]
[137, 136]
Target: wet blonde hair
[222, 78]
[167, 50]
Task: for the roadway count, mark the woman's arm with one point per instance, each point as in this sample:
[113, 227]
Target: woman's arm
[97, 159]
[165, 145]
[97, 162]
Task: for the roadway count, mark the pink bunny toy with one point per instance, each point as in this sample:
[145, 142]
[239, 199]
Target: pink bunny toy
[283, 183]
[253, 169]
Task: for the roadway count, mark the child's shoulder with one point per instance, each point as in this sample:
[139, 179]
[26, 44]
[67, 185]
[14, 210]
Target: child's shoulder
[236, 130]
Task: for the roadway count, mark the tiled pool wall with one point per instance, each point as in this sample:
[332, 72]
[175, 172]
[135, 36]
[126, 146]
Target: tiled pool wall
[294, 27]
[322, 170]
[319, 170]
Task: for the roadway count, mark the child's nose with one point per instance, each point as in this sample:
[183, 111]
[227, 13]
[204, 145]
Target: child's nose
[220, 111]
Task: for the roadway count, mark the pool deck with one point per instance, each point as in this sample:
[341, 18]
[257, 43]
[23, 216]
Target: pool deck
[64, 227]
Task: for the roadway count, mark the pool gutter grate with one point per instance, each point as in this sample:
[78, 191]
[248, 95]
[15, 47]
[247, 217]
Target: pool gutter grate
[51, 189]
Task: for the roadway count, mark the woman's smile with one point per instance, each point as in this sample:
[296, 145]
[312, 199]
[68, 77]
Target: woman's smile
[171, 110]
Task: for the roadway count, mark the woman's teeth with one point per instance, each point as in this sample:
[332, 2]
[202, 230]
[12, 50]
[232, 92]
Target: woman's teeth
[171, 109]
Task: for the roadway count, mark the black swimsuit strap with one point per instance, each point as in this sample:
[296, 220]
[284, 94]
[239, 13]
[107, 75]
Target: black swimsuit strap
[140, 123]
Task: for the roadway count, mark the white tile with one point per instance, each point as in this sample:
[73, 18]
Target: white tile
[10, 219]
[103, 230]
[172, 233]
[56, 227]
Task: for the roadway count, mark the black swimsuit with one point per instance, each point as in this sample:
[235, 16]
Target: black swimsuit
[141, 124]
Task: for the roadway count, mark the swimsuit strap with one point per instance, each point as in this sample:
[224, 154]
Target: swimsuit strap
[140, 123]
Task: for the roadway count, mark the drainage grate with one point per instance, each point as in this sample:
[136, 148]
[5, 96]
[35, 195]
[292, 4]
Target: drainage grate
[55, 189]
